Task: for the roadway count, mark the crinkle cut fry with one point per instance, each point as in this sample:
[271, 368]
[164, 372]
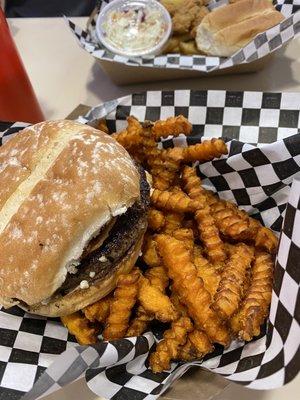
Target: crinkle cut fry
[198, 343]
[98, 311]
[173, 221]
[176, 202]
[155, 302]
[79, 326]
[202, 152]
[192, 184]
[167, 349]
[209, 234]
[196, 346]
[125, 296]
[206, 271]
[231, 288]
[150, 254]
[171, 126]
[208, 231]
[266, 240]
[228, 220]
[157, 277]
[156, 219]
[164, 169]
[140, 323]
[132, 136]
[190, 288]
[236, 224]
[246, 323]
[186, 236]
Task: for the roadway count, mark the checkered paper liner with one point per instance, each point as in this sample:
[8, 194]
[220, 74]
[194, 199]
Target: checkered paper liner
[258, 178]
[262, 45]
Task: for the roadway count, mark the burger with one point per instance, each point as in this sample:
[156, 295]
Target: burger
[73, 212]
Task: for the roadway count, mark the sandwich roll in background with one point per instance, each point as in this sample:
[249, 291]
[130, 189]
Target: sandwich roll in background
[229, 28]
[73, 211]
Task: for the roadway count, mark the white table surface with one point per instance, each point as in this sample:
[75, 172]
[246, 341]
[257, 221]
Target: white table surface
[63, 76]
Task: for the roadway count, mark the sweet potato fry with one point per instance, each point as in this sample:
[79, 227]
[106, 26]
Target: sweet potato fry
[196, 346]
[125, 296]
[167, 349]
[158, 277]
[246, 323]
[140, 323]
[155, 302]
[205, 151]
[209, 234]
[229, 221]
[231, 287]
[208, 231]
[176, 202]
[186, 236]
[131, 137]
[156, 219]
[207, 272]
[192, 184]
[181, 308]
[190, 288]
[173, 221]
[163, 168]
[150, 254]
[266, 240]
[171, 126]
[80, 327]
[98, 311]
[236, 224]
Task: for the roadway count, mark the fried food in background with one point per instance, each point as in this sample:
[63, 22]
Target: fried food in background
[186, 16]
[208, 266]
[220, 32]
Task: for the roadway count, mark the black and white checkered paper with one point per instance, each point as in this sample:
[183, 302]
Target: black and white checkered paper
[262, 179]
[262, 45]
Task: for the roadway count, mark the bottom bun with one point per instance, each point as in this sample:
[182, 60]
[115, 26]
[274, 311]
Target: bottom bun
[80, 298]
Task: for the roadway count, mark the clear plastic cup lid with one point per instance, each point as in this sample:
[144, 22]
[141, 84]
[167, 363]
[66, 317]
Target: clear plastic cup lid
[134, 27]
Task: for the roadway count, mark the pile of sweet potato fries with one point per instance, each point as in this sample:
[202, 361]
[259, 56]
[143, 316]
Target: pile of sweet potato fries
[209, 264]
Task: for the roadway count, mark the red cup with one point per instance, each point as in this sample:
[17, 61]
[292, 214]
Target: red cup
[17, 99]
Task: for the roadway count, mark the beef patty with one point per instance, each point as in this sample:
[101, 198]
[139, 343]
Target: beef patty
[124, 234]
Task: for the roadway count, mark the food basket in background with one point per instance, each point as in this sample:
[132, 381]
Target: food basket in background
[253, 57]
[260, 174]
